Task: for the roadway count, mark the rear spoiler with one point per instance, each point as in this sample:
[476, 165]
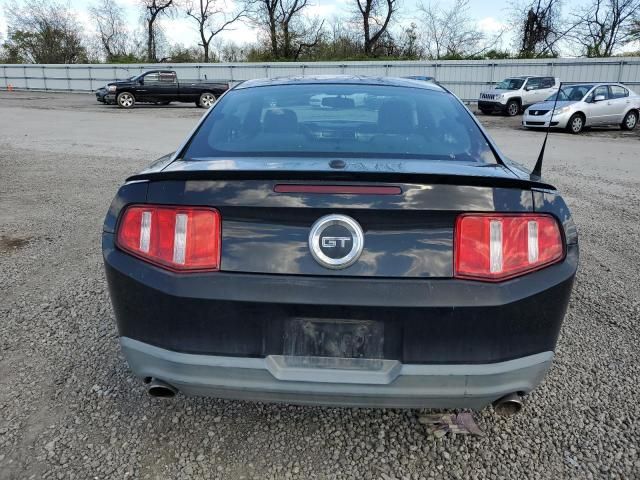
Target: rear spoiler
[344, 176]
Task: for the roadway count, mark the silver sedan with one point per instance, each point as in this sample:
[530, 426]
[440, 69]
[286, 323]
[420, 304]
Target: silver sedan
[586, 105]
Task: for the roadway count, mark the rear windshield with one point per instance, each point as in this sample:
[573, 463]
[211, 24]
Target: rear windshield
[328, 120]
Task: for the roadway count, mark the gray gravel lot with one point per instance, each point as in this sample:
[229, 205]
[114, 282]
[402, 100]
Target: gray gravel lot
[69, 408]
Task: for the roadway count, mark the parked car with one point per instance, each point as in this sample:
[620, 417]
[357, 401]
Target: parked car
[512, 95]
[160, 86]
[586, 105]
[386, 256]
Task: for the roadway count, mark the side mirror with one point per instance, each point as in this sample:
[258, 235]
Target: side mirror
[141, 81]
[599, 98]
[528, 88]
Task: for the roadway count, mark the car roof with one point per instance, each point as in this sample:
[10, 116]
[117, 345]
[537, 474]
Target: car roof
[341, 79]
[595, 84]
[523, 77]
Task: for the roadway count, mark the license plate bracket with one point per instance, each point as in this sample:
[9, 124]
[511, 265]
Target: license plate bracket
[334, 338]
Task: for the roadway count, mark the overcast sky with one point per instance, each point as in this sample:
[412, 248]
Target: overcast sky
[490, 15]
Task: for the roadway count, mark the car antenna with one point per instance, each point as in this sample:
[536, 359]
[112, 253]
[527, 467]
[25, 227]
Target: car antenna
[537, 169]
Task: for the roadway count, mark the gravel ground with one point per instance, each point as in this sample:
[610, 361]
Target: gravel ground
[69, 408]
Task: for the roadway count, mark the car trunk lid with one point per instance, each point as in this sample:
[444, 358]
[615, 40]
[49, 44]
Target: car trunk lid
[406, 210]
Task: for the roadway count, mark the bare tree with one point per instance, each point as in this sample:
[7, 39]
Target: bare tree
[288, 31]
[288, 12]
[635, 30]
[539, 27]
[211, 17]
[265, 14]
[153, 9]
[43, 32]
[303, 37]
[231, 52]
[605, 25]
[112, 30]
[451, 32]
[375, 16]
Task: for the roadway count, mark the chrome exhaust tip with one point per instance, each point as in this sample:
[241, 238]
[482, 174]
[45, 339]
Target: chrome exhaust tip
[508, 405]
[160, 389]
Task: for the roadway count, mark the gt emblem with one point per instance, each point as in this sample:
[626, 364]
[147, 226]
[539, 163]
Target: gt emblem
[331, 242]
[336, 241]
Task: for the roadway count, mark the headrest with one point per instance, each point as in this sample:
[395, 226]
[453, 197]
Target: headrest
[395, 116]
[280, 120]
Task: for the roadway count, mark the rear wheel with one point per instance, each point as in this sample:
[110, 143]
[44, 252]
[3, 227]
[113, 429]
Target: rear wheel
[513, 108]
[575, 124]
[630, 121]
[126, 100]
[206, 100]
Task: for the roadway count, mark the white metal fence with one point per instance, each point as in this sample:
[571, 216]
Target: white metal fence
[465, 78]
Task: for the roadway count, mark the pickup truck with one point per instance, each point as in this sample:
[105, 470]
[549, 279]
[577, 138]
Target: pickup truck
[161, 87]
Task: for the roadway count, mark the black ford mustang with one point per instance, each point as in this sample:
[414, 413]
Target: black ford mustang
[340, 240]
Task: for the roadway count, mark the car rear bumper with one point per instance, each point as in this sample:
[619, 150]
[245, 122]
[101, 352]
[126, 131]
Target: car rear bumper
[271, 379]
[423, 320]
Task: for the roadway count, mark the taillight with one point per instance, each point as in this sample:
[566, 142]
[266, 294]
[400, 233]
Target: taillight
[177, 238]
[495, 247]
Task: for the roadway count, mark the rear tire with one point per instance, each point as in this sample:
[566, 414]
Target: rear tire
[630, 121]
[126, 100]
[513, 108]
[207, 99]
[575, 124]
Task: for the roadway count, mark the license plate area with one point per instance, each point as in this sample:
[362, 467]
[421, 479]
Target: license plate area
[310, 337]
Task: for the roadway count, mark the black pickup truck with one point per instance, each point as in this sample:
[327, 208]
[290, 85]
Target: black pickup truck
[160, 87]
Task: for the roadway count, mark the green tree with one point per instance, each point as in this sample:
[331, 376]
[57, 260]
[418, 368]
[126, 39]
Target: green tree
[43, 32]
[182, 54]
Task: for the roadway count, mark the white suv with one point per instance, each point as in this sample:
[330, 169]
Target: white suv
[514, 94]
